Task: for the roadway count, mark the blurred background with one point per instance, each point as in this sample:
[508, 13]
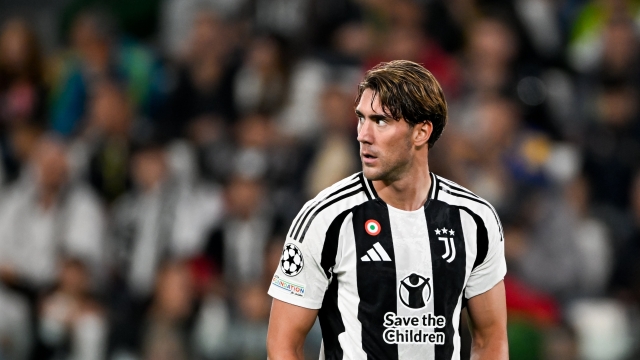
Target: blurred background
[154, 152]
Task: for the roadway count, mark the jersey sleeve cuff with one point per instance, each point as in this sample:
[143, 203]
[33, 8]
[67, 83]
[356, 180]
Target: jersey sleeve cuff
[486, 285]
[281, 295]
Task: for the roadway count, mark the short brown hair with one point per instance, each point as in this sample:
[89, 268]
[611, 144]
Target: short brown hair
[407, 91]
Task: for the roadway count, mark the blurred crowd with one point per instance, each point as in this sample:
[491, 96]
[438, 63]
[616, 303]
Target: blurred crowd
[153, 154]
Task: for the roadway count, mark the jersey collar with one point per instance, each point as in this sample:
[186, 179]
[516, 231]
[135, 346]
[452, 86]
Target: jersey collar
[373, 194]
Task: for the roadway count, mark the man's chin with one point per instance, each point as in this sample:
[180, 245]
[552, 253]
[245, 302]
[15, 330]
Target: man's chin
[371, 173]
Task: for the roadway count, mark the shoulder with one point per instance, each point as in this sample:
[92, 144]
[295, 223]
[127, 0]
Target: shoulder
[80, 192]
[83, 201]
[319, 213]
[453, 194]
[15, 196]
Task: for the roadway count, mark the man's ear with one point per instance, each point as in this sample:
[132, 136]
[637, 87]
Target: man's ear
[422, 133]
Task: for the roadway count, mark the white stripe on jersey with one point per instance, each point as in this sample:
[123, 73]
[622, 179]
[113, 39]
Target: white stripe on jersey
[469, 228]
[368, 186]
[432, 194]
[328, 197]
[479, 207]
[447, 185]
[413, 254]
[380, 250]
[348, 298]
[323, 197]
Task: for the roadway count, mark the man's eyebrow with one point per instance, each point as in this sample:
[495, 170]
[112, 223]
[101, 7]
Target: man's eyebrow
[372, 117]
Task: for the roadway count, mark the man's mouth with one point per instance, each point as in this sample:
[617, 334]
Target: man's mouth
[368, 158]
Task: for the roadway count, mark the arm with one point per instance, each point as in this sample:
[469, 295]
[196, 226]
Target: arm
[288, 328]
[488, 319]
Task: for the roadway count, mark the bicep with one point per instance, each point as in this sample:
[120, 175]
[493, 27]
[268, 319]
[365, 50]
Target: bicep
[488, 314]
[288, 327]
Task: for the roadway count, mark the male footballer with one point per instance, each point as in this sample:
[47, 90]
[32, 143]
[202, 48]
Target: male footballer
[389, 257]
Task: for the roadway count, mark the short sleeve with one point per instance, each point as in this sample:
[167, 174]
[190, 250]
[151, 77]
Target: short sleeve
[494, 267]
[311, 250]
[300, 279]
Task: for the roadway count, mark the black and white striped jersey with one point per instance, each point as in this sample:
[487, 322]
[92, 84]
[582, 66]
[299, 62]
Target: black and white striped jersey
[389, 283]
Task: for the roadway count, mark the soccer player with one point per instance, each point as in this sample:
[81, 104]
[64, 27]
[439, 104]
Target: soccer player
[388, 258]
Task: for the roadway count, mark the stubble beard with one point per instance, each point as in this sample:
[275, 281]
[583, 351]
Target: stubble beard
[389, 170]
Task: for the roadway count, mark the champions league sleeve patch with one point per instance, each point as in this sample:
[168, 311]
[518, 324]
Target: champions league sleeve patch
[292, 261]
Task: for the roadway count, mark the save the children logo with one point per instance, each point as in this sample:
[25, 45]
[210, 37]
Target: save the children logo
[415, 291]
[413, 329]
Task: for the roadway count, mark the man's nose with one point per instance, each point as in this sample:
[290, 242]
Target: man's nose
[364, 132]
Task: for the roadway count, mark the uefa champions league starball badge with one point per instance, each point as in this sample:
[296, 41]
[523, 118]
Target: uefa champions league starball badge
[292, 261]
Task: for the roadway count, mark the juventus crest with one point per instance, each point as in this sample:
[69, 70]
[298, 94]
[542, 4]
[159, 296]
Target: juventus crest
[449, 246]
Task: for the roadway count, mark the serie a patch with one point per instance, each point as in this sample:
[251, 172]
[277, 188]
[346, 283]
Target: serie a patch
[292, 288]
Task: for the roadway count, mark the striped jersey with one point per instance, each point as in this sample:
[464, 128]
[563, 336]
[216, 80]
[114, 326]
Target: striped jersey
[389, 283]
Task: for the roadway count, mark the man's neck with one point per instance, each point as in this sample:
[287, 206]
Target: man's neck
[48, 198]
[408, 193]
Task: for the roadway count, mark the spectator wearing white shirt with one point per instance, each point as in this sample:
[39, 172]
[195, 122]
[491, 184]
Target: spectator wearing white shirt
[43, 219]
[44, 216]
[164, 217]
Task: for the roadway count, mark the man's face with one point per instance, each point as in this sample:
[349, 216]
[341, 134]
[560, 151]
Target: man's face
[385, 143]
[51, 165]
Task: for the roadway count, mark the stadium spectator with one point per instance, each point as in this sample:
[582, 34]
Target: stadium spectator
[45, 217]
[98, 55]
[612, 144]
[160, 218]
[71, 322]
[102, 151]
[248, 224]
[22, 91]
[335, 154]
[166, 329]
[204, 87]
[22, 88]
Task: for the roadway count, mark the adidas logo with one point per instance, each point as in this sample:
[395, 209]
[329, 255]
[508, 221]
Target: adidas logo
[376, 253]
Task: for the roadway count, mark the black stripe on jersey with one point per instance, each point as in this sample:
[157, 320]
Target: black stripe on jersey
[364, 183]
[312, 206]
[433, 187]
[482, 238]
[376, 280]
[374, 193]
[295, 225]
[299, 223]
[476, 198]
[330, 246]
[326, 205]
[479, 201]
[437, 190]
[448, 278]
[331, 322]
[455, 186]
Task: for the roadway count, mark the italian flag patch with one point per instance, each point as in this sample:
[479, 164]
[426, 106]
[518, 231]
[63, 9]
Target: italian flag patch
[372, 227]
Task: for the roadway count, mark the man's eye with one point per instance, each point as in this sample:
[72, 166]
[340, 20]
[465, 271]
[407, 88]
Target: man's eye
[381, 122]
[360, 119]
